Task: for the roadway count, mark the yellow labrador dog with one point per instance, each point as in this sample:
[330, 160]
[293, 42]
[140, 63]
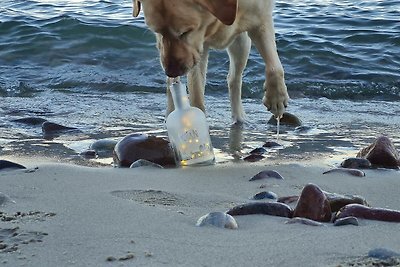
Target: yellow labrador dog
[187, 29]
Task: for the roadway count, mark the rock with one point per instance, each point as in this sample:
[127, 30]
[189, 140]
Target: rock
[364, 212]
[8, 165]
[346, 221]
[382, 253]
[266, 174]
[313, 204]
[266, 208]
[353, 172]
[270, 144]
[144, 163]
[265, 195]
[103, 147]
[51, 128]
[30, 120]
[258, 151]
[253, 158]
[88, 154]
[381, 153]
[218, 219]
[303, 129]
[356, 163]
[304, 221]
[142, 146]
[338, 201]
[287, 119]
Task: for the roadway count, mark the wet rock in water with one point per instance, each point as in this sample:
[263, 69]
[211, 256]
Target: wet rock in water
[382, 253]
[266, 208]
[381, 153]
[103, 147]
[218, 219]
[265, 195]
[288, 199]
[9, 165]
[51, 128]
[270, 144]
[287, 119]
[364, 212]
[253, 158]
[30, 120]
[338, 201]
[356, 163]
[353, 172]
[313, 204]
[88, 154]
[142, 146]
[304, 221]
[258, 151]
[266, 174]
[144, 163]
[346, 221]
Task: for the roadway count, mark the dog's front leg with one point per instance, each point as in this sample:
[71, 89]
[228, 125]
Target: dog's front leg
[275, 97]
[196, 80]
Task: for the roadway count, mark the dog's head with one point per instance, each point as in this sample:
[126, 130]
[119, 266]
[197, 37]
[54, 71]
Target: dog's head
[182, 26]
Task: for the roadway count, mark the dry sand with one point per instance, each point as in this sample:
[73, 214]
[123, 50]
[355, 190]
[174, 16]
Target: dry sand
[69, 215]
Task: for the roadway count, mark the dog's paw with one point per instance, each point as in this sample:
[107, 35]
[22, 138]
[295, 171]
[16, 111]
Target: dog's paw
[276, 98]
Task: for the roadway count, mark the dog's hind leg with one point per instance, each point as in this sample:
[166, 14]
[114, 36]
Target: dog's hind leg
[238, 53]
[275, 97]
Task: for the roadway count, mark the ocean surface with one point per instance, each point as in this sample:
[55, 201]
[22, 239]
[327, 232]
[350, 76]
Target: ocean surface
[91, 65]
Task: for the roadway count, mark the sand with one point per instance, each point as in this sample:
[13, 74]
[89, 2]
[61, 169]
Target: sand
[69, 215]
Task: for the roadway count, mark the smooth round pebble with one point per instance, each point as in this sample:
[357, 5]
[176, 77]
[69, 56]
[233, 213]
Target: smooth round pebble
[218, 219]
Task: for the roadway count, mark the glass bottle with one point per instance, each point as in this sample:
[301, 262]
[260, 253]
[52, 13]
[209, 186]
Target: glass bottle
[188, 130]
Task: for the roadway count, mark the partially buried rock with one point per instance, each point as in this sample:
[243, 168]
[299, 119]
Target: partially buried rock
[9, 165]
[30, 120]
[363, 212]
[288, 199]
[266, 208]
[338, 201]
[381, 153]
[103, 147]
[265, 195]
[258, 151]
[287, 119]
[142, 146]
[346, 221]
[304, 221]
[271, 144]
[353, 172]
[356, 163]
[382, 253]
[218, 219]
[253, 158]
[313, 204]
[266, 174]
[50, 128]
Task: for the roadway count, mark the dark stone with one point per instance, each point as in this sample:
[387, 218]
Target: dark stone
[88, 154]
[364, 212]
[266, 208]
[356, 163]
[5, 164]
[50, 128]
[253, 158]
[267, 174]
[382, 253]
[258, 151]
[313, 204]
[346, 221]
[142, 146]
[381, 153]
[338, 201]
[287, 119]
[30, 120]
[265, 195]
[270, 144]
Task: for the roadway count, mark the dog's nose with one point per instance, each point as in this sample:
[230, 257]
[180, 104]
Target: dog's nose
[174, 70]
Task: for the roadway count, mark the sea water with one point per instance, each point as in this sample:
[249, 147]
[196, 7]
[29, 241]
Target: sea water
[90, 65]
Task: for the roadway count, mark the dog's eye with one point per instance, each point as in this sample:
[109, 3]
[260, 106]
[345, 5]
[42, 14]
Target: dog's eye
[184, 34]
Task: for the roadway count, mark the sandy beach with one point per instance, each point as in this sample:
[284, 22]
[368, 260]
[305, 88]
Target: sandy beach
[68, 215]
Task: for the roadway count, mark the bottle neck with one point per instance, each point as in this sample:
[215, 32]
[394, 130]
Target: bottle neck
[179, 95]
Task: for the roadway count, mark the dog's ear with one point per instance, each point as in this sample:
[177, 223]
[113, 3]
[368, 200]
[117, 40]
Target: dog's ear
[136, 8]
[224, 10]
